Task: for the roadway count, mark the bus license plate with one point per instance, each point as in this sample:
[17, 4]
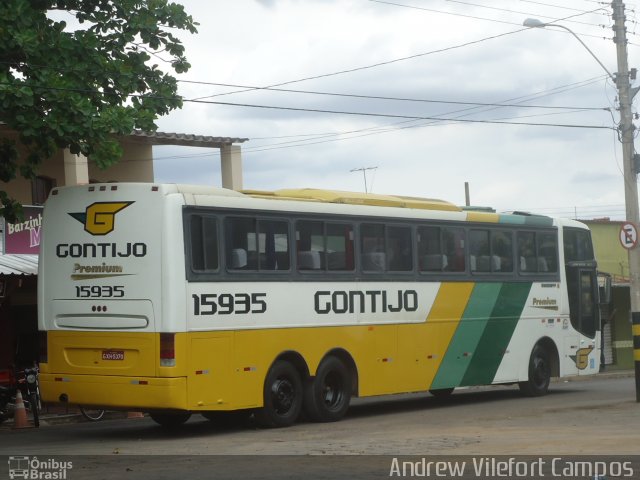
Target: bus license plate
[113, 355]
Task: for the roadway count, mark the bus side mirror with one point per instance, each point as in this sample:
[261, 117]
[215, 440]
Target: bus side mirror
[604, 288]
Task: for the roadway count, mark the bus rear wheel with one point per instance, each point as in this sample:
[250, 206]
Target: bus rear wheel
[282, 396]
[328, 394]
[539, 373]
[170, 420]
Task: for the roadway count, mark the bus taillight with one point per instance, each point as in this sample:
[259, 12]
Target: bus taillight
[167, 350]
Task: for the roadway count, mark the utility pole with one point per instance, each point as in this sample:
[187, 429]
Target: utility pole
[364, 174]
[626, 130]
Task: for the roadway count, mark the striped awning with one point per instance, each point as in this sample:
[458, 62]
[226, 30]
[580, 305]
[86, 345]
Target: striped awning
[18, 264]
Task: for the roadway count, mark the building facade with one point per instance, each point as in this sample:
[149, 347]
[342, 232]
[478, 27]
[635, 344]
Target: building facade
[613, 259]
[18, 271]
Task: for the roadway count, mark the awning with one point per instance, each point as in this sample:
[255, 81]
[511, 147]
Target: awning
[18, 264]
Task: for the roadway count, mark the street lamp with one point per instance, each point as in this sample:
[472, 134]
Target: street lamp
[535, 23]
[626, 131]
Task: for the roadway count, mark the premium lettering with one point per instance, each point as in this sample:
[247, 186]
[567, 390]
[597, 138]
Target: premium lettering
[100, 250]
[104, 268]
[355, 301]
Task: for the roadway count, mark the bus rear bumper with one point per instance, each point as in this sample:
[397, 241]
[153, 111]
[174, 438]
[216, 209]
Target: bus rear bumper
[115, 392]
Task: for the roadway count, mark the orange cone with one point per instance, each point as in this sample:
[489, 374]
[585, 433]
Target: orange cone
[135, 415]
[20, 413]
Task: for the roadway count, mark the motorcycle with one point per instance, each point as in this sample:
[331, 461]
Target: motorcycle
[28, 384]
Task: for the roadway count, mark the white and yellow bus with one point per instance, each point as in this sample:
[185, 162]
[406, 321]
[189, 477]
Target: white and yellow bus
[182, 299]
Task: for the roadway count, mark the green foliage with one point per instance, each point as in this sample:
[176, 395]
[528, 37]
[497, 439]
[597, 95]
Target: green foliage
[81, 88]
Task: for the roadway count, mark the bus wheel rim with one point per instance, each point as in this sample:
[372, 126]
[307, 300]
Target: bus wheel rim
[283, 393]
[332, 391]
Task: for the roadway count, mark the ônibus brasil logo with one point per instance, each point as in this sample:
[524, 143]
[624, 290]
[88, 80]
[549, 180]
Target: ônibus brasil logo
[99, 218]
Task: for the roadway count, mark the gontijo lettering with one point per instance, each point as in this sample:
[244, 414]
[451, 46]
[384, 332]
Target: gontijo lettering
[99, 217]
[100, 250]
[365, 301]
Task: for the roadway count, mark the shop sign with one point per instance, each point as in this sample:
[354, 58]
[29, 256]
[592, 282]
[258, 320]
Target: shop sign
[24, 237]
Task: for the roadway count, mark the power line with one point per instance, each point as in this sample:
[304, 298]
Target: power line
[480, 18]
[396, 60]
[563, 7]
[377, 97]
[374, 65]
[582, 12]
[388, 115]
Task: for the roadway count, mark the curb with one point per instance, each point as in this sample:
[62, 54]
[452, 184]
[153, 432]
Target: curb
[605, 374]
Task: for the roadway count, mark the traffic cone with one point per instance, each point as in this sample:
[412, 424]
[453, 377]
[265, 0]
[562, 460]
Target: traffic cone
[20, 413]
[135, 415]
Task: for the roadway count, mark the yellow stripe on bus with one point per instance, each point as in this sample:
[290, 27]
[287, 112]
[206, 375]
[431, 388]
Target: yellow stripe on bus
[483, 217]
[635, 329]
[444, 318]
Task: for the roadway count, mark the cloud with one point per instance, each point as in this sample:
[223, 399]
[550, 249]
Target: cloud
[266, 42]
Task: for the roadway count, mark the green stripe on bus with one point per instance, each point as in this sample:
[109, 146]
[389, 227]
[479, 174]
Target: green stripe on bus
[534, 220]
[468, 334]
[497, 334]
[512, 219]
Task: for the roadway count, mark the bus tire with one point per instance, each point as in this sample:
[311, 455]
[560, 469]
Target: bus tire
[539, 373]
[328, 394]
[441, 392]
[170, 420]
[282, 396]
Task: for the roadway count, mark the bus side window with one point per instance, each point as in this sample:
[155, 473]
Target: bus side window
[242, 244]
[339, 241]
[430, 256]
[502, 251]
[479, 254]
[453, 240]
[399, 249]
[373, 258]
[204, 243]
[273, 245]
[310, 245]
[547, 252]
[527, 252]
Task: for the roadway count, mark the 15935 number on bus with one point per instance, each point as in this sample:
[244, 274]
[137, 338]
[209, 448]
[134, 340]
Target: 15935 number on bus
[228, 303]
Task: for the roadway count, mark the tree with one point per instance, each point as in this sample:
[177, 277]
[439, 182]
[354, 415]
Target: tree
[81, 88]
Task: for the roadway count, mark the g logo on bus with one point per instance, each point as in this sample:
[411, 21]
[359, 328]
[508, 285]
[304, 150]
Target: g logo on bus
[99, 218]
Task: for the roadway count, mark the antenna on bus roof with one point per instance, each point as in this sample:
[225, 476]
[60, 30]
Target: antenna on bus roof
[364, 174]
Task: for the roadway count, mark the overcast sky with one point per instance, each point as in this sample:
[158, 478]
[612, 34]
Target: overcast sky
[423, 53]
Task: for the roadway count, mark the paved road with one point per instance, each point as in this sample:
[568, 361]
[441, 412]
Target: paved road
[586, 417]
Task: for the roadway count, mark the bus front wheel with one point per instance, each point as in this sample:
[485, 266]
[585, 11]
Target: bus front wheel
[328, 394]
[539, 373]
[282, 396]
[170, 420]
